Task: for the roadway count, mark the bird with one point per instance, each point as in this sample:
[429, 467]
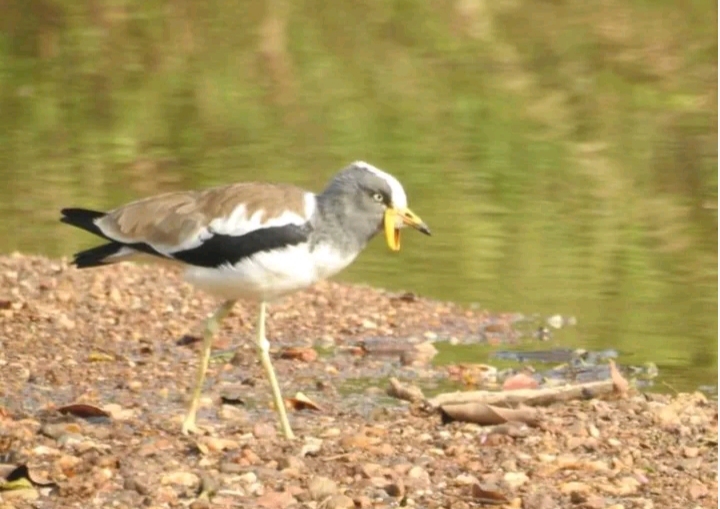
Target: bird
[257, 241]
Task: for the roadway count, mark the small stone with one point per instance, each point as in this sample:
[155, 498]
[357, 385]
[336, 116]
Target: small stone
[362, 442]
[264, 430]
[233, 413]
[539, 501]
[418, 355]
[118, 413]
[595, 502]
[369, 324]
[575, 442]
[209, 483]
[363, 502]
[418, 477]
[249, 457]
[384, 449]
[339, 502]
[291, 462]
[311, 447]
[628, 485]
[697, 490]
[275, 500]
[369, 470]
[137, 484]
[577, 498]
[691, 452]
[229, 467]
[396, 489]
[248, 478]
[320, 487]
[187, 479]
[575, 486]
[215, 444]
[515, 479]
[466, 479]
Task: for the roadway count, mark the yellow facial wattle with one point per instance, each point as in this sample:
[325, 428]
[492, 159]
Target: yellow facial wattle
[392, 232]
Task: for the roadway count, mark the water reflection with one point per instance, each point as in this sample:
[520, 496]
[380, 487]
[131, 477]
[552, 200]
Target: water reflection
[567, 180]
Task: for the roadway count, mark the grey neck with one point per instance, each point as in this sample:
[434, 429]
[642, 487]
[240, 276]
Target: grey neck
[339, 223]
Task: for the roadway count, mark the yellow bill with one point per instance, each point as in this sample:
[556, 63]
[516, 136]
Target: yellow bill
[399, 218]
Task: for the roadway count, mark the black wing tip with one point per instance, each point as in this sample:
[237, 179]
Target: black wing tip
[82, 218]
[96, 256]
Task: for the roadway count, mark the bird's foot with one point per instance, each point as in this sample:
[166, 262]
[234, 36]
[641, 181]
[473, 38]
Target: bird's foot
[189, 427]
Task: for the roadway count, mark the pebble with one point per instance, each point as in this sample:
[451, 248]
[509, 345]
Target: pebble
[575, 486]
[320, 487]
[396, 489]
[291, 462]
[418, 477]
[248, 478]
[515, 479]
[338, 502]
[466, 479]
[264, 430]
[275, 500]
[182, 478]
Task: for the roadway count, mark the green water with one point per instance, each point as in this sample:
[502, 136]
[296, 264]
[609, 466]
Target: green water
[564, 153]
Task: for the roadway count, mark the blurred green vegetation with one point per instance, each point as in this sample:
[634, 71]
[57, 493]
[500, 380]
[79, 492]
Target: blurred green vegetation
[565, 153]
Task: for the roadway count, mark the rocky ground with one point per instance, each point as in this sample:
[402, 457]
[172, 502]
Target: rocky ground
[118, 343]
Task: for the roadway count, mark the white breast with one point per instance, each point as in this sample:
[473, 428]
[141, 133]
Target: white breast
[269, 275]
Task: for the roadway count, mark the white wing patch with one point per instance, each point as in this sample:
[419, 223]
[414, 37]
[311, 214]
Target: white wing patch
[399, 198]
[238, 223]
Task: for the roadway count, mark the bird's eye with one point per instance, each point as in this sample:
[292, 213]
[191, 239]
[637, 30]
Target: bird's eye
[378, 197]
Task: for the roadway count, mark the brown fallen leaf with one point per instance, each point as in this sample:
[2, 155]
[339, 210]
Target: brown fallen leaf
[83, 410]
[619, 383]
[488, 493]
[403, 391]
[486, 415]
[19, 478]
[302, 402]
[300, 353]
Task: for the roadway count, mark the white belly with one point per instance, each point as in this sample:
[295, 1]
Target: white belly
[269, 275]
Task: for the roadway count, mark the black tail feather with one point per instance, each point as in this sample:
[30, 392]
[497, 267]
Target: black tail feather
[96, 256]
[83, 219]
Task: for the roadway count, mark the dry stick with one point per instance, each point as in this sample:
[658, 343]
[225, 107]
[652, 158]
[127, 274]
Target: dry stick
[530, 397]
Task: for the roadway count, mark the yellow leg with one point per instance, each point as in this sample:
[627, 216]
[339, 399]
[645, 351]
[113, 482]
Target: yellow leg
[211, 327]
[264, 350]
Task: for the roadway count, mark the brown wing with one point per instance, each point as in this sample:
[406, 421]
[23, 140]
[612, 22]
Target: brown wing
[180, 220]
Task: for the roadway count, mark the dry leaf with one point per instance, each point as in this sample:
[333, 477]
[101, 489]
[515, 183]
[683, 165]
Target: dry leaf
[83, 410]
[486, 415]
[301, 353]
[301, 402]
[487, 493]
[19, 478]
